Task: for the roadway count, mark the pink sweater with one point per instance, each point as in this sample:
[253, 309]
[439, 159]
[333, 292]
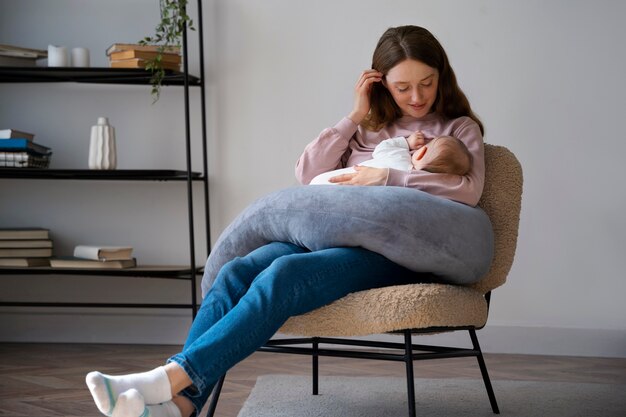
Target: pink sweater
[347, 144]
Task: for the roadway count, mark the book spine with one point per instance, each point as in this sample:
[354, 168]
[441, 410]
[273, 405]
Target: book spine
[17, 253]
[22, 144]
[24, 233]
[24, 243]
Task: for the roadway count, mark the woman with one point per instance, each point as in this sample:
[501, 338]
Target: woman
[411, 87]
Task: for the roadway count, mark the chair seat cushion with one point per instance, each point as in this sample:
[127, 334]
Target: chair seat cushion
[381, 310]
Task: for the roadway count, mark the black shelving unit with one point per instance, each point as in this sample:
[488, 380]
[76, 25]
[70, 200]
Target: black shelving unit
[92, 75]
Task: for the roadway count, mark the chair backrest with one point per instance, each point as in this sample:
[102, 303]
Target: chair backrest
[502, 201]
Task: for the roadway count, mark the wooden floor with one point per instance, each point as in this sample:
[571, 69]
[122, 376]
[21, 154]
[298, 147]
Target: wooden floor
[38, 380]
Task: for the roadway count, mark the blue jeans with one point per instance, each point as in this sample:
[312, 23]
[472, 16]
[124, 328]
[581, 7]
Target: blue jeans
[254, 295]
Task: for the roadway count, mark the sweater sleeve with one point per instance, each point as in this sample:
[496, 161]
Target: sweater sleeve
[326, 152]
[465, 189]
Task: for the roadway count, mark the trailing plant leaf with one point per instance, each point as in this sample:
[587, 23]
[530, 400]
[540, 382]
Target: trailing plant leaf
[168, 33]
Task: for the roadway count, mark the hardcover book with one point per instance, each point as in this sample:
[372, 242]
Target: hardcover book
[118, 47]
[25, 233]
[133, 53]
[141, 63]
[103, 253]
[25, 243]
[21, 52]
[25, 252]
[90, 264]
[24, 262]
[12, 61]
[23, 144]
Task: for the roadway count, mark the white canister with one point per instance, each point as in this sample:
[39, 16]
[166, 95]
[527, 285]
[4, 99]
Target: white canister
[80, 57]
[102, 153]
[57, 56]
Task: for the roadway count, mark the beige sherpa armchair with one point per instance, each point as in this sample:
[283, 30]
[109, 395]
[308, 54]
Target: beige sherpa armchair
[417, 308]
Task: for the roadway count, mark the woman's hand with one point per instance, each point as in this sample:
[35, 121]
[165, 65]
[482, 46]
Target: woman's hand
[363, 176]
[362, 91]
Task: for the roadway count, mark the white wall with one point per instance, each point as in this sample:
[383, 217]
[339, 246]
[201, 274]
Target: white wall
[545, 77]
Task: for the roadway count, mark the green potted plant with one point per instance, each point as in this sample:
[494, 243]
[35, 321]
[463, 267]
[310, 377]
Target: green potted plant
[168, 34]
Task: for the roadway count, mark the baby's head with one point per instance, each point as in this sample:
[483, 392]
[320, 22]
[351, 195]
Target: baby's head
[444, 154]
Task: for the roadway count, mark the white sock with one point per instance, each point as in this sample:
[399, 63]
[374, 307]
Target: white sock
[131, 404]
[153, 385]
[166, 409]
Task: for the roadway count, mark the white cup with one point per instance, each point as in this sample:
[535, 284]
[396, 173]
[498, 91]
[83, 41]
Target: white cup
[57, 56]
[80, 57]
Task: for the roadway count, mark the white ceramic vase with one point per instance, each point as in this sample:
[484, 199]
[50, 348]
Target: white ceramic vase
[102, 153]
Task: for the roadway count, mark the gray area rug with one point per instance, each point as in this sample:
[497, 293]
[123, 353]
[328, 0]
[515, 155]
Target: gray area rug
[290, 396]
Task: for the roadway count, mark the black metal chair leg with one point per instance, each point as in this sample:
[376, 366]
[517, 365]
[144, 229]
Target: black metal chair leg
[408, 360]
[483, 371]
[315, 367]
[215, 396]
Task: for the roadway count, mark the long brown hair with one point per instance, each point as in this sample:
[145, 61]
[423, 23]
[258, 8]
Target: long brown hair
[414, 42]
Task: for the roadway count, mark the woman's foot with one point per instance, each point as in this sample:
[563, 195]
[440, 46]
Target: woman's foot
[131, 404]
[154, 387]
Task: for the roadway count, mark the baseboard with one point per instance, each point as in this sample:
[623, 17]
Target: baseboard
[170, 327]
[92, 325]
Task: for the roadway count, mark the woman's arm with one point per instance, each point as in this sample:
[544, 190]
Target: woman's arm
[326, 152]
[466, 189]
[330, 150]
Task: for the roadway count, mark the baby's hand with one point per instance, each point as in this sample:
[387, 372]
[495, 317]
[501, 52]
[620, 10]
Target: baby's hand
[416, 140]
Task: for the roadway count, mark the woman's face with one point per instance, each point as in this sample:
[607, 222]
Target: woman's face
[413, 86]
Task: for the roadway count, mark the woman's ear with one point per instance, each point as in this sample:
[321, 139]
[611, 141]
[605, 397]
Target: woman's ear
[384, 82]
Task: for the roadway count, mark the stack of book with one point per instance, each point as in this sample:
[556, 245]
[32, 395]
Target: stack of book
[18, 150]
[125, 55]
[97, 257]
[16, 56]
[25, 247]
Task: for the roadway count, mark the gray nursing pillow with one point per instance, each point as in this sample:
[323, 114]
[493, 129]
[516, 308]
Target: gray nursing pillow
[427, 234]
